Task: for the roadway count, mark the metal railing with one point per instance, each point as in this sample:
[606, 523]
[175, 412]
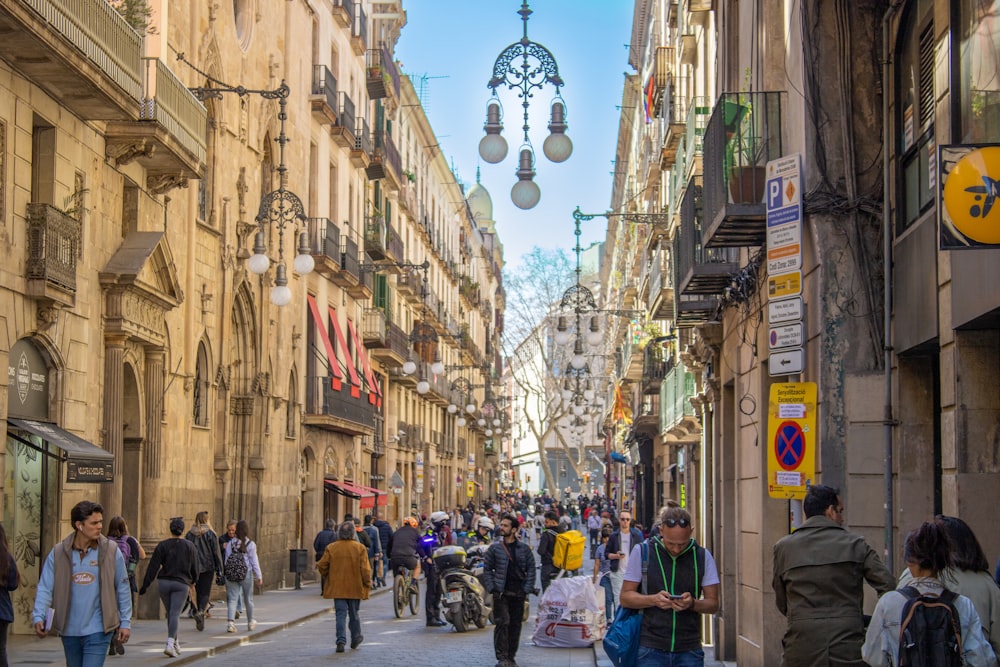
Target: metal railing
[53, 246]
[374, 325]
[675, 393]
[325, 84]
[349, 257]
[345, 112]
[660, 275]
[362, 137]
[375, 234]
[394, 243]
[169, 102]
[322, 399]
[324, 238]
[359, 28]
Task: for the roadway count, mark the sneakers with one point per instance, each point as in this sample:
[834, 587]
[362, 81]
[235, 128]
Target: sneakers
[251, 626]
[237, 614]
[356, 641]
[435, 623]
[340, 647]
[230, 627]
[199, 620]
[171, 649]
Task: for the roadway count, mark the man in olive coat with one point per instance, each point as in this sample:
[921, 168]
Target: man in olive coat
[348, 574]
[819, 575]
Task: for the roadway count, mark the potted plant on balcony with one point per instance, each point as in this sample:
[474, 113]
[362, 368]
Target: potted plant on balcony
[746, 148]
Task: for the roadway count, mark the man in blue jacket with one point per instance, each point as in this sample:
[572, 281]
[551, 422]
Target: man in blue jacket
[509, 574]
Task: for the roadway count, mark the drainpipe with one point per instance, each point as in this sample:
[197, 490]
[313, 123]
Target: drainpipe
[887, 287]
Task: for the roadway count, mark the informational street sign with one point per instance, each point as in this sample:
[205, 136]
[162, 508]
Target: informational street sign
[784, 215]
[787, 284]
[791, 439]
[786, 362]
[420, 473]
[786, 310]
[785, 335]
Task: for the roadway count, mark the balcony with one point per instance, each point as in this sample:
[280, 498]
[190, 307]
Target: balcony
[53, 248]
[365, 286]
[324, 240]
[385, 161]
[359, 31]
[394, 249]
[361, 152]
[743, 134]
[646, 415]
[702, 273]
[678, 422]
[349, 273]
[629, 362]
[81, 52]
[656, 363]
[343, 12]
[323, 98]
[338, 411]
[168, 140]
[374, 328]
[396, 348]
[382, 75]
[375, 231]
[343, 131]
[408, 283]
[660, 302]
[408, 197]
[469, 290]
[662, 80]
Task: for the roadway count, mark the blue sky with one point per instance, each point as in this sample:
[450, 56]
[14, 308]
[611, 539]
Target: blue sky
[459, 40]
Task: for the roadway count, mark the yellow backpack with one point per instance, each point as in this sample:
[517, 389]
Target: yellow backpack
[568, 552]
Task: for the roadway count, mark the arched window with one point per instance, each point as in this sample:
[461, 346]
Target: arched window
[292, 407]
[201, 385]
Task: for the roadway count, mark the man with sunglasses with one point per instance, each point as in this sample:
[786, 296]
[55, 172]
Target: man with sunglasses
[819, 575]
[682, 583]
[618, 548]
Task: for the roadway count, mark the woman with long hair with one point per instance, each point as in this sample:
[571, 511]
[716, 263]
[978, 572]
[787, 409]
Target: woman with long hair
[927, 553]
[175, 565]
[209, 564]
[243, 547]
[118, 533]
[9, 580]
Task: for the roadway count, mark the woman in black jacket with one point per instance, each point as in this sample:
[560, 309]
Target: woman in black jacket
[175, 565]
[209, 564]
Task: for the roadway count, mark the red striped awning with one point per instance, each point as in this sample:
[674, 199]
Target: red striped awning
[365, 494]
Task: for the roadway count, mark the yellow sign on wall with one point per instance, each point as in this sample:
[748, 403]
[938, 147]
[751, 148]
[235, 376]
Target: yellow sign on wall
[784, 285]
[970, 217]
[791, 439]
[470, 489]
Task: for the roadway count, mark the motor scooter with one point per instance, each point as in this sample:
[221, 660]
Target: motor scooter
[463, 597]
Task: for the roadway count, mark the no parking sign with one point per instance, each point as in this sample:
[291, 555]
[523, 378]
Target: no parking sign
[791, 439]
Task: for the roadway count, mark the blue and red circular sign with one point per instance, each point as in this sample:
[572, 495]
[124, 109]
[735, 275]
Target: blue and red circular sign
[789, 445]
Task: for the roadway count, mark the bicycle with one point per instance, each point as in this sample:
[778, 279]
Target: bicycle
[405, 590]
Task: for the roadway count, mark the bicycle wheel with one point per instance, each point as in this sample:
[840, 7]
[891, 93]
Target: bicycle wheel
[414, 598]
[398, 595]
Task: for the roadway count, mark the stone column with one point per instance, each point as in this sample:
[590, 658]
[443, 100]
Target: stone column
[154, 412]
[114, 380]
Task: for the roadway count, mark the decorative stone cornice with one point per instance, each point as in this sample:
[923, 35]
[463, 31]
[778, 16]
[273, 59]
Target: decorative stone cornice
[161, 183]
[125, 151]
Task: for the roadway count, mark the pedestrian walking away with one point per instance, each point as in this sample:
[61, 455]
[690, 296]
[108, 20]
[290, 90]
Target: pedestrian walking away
[894, 627]
[209, 564]
[602, 570]
[133, 552]
[547, 546]
[682, 585]
[83, 592]
[174, 565]
[509, 574]
[324, 538]
[348, 574]
[241, 559]
[221, 581]
[9, 581]
[819, 574]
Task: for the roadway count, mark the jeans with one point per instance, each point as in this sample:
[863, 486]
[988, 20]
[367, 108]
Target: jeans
[172, 594]
[87, 650]
[609, 598]
[617, 578]
[508, 610]
[347, 609]
[651, 657]
[236, 589]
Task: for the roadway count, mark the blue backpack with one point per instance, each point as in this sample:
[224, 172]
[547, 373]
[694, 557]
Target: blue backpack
[621, 642]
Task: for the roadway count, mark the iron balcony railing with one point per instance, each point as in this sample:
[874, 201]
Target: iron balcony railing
[345, 112]
[362, 137]
[675, 393]
[349, 257]
[398, 341]
[700, 270]
[375, 236]
[393, 244]
[325, 84]
[169, 102]
[359, 28]
[324, 238]
[322, 399]
[374, 325]
[53, 246]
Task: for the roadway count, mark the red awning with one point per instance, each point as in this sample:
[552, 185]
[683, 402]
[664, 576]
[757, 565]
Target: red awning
[365, 494]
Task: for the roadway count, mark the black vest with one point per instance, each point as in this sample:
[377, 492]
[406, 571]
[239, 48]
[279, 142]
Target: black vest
[669, 630]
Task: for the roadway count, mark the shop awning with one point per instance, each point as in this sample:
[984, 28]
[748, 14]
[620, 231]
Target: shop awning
[365, 494]
[74, 446]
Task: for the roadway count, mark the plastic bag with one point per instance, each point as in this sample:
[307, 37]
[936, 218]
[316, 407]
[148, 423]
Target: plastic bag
[570, 614]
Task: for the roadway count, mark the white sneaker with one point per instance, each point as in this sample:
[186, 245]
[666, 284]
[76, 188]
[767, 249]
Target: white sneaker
[231, 627]
[171, 649]
[251, 626]
[177, 645]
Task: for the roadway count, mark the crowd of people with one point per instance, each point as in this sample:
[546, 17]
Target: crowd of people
[943, 609]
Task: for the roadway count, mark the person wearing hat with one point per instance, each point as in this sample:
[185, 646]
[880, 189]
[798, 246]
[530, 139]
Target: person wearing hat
[175, 565]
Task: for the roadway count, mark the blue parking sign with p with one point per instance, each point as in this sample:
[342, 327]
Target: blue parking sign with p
[775, 200]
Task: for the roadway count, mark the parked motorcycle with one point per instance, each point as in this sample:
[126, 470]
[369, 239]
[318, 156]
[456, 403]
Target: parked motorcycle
[463, 597]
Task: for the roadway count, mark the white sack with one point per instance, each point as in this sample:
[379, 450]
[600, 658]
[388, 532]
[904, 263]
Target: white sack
[570, 614]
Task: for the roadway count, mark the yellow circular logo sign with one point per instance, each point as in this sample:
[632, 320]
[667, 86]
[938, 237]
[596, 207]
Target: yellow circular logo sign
[972, 195]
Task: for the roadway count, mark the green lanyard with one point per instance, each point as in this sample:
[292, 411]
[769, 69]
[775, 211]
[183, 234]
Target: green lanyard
[673, 578]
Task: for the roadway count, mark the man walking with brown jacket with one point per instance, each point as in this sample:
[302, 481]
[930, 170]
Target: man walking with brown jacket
[348, 574]
[819, 575]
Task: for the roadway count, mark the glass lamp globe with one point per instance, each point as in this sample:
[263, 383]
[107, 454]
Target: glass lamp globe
[563, 421]
[557, 146]
[566, 394]
[460, 422]
[578, 361]
[562, 337]
[579, 410]
[588, 394]
[496, 422]
[471, 408]
[258, 262]
[437, 368]
[525, 193]
[423, 387]
[594, 338]
[409, 368]
[481, 421]
[493, 147]
[452, 408]
[489, 432]
[303, 264]
[281, 295]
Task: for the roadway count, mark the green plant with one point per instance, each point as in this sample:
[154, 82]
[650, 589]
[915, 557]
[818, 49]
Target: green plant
[137, 13]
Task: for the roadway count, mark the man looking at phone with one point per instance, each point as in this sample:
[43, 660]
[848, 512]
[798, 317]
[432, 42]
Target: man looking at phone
[618, 549]
[682, 582]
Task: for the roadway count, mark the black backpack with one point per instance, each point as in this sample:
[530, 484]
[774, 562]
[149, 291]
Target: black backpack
[930, 634]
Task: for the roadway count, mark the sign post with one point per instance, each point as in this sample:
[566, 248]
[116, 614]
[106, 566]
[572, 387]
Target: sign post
[791, 439]
[784, 266]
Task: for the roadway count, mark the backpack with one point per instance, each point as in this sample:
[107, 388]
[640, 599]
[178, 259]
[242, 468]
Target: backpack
[235, 567]
[930, 633]
[126, 550]
[568, 551]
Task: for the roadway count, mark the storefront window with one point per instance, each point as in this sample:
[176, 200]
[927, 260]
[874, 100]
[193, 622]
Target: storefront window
[979, 71]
